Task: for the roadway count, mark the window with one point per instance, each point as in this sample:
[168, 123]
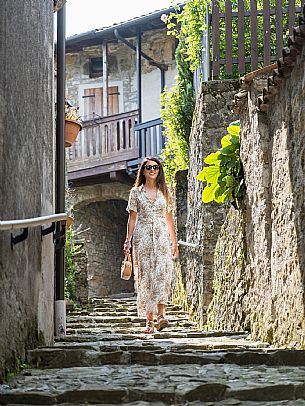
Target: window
[96, 67]
[93, 102]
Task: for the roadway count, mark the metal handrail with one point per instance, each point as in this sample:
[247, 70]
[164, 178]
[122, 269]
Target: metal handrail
[32, 222]
[188, 244]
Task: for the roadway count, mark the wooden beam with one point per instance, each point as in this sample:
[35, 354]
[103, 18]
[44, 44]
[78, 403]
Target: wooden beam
[105, 80]
[98, 170]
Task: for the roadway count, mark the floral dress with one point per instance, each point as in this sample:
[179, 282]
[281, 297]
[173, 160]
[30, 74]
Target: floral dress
[151, 249]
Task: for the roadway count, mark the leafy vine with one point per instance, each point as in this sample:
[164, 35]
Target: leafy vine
[224, 175]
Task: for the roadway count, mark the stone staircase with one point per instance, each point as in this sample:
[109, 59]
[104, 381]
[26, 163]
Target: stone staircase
[106, 359]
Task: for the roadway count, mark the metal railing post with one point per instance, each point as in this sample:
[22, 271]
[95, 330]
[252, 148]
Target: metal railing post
[205, 59]
[60, 307]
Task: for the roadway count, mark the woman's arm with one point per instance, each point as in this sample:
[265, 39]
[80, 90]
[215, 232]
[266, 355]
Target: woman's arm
[132, 219]
[172, 234]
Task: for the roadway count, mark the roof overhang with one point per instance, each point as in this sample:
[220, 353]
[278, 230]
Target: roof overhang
[126, 29]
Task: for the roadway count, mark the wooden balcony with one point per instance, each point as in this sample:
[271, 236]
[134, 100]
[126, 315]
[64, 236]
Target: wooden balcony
[104, 146]
[109, 147]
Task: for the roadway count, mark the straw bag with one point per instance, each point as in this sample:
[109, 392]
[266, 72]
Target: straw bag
[126, 268]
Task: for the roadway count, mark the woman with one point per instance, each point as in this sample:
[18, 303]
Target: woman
[151, 225]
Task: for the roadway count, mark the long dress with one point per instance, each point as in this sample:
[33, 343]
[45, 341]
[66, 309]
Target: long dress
[151, 250]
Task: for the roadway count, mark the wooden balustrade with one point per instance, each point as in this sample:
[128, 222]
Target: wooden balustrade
[260, 35]
[104, 141]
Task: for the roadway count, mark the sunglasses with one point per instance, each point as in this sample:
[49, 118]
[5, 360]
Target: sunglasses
[154, 167]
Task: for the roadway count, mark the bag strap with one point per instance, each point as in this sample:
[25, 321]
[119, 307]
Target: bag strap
[127, 257]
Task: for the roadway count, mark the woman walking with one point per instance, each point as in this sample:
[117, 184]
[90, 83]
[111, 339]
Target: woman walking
[155, 246]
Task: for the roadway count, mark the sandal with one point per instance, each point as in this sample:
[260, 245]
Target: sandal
[150, 327]
[162, 322]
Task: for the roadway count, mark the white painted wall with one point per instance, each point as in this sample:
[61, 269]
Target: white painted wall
[151, 85]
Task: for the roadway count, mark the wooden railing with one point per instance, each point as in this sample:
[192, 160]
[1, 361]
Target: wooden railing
[104, 141]
[258, 36]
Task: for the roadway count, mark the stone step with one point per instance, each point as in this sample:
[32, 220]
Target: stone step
[158, 383]
[227, 402]
[89, 326]
[157, 355]
[77, 338]
[107, 359]
[120, 319]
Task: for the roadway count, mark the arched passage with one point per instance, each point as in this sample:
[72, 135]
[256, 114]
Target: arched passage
[105, 225]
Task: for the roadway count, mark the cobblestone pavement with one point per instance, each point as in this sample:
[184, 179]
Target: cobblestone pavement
[107, 359]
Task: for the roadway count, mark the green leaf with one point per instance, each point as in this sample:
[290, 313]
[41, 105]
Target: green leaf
[230, 149]
[212, 159]
[235, 139]
[235, 123]
[201, 176]
[233, 129]
[208, 193]
[229, 180]
[226, 141]
[221, 198]
[209, 174]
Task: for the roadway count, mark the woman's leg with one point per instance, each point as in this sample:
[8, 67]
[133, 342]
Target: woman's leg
[150, 327]
[162, 322]
[161, 309]
[150, 316]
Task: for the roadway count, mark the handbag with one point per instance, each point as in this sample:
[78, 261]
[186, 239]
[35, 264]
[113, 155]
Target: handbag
[126, 268]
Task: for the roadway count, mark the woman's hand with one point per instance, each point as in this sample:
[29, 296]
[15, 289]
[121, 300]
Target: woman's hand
[175, 251]
[126, 247]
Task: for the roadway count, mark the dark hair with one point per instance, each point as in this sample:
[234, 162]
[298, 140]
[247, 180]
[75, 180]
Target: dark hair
[161, 185]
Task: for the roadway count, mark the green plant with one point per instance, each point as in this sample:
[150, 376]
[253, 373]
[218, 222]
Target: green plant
[72, 113]
[224, 175]
[177, 112]
[70, 250]
[190, 21]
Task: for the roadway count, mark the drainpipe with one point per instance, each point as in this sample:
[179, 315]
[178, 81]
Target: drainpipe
[60, 304]
[162, 66]
[139, 74]
[162, 80]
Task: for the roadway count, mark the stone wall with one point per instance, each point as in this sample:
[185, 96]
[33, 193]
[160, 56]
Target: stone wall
[212, 116]
[26, 175]
[270, 285]
[230, 280]
[81, 280]
[181, 217]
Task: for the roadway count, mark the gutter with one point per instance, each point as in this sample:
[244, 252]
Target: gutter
[99, 35]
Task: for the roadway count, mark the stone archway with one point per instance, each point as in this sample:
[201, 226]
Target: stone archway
[100, 210]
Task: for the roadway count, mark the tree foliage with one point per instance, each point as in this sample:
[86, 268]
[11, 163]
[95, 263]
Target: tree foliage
[177, 113]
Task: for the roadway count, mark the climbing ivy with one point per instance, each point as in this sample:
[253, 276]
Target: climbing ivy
[177, 112]
[190, 22]
[224, 175]
[186, 24]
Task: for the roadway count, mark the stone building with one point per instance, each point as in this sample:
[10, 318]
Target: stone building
[26, 176]
[115, 75]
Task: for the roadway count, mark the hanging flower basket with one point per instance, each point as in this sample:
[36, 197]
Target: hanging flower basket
[72, 128]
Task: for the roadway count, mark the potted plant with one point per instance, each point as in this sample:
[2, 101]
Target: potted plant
[73, 124]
